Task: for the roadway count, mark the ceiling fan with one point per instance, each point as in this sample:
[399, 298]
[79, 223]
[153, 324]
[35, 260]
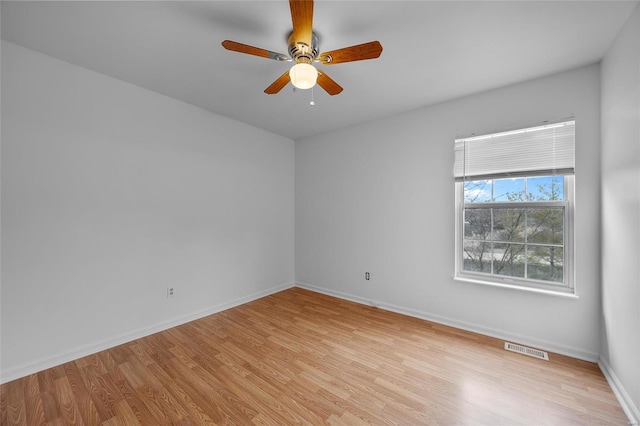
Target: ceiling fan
[303, 50]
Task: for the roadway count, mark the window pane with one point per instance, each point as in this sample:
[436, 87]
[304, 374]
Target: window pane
[509, 259]
[546, 188]
[477, 223]
[545, 225]
[508, 225]
[546, 263]
[477, 256]
[514, 230]
[477, 191]
[511, 189]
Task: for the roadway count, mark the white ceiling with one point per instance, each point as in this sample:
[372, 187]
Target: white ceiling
[433, 51]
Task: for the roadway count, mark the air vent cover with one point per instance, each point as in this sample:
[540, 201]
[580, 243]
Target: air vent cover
[526, 351]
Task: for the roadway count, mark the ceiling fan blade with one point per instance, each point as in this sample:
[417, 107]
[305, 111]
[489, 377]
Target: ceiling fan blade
[256, 51]
[302, 19]
[360, 52]
[277, 85]
[327, 83]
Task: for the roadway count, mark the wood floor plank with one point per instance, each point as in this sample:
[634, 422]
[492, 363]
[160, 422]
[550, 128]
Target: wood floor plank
[196, 414]
[153, 394]
[103, 391]
[299, 357]
[125, 414]
[68, 407]
[14, 411]
[87, 410]
[50, 402]
[216, 396]
[33, 401]
[126, 389]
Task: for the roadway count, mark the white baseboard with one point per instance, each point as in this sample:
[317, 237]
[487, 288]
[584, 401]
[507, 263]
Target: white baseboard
[81, 351]
[499, 334]
[629, 408]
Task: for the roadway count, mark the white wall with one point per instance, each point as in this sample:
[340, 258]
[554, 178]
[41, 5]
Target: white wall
[621, 212]
[110, 193]
[379, 197]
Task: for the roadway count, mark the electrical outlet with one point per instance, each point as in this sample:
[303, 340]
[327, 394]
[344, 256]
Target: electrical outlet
[170, 291]
[367, 276]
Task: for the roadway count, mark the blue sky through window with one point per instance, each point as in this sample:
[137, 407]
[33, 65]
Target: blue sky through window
[513, 189]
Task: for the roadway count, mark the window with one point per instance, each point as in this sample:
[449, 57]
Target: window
[514, 192]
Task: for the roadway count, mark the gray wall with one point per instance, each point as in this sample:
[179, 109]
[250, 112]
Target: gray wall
[379, 197]
[621, 211]
[111, 193]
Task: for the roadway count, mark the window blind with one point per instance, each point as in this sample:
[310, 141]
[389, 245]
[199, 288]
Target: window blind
[534, 151]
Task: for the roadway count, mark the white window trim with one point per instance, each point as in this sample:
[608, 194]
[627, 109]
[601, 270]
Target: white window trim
[568, 295]
[568, 289]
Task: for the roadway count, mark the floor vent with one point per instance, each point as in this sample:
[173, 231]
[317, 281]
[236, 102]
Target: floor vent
[526, 351]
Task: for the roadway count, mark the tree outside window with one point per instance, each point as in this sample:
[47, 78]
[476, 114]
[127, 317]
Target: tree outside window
[515, 227]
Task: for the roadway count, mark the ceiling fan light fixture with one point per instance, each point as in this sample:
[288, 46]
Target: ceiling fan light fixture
[303, 76]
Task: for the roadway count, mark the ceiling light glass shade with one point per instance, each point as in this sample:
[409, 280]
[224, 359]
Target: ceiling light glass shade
[303, 76]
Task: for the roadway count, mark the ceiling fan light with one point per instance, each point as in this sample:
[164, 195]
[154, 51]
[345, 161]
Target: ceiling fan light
[303, 76]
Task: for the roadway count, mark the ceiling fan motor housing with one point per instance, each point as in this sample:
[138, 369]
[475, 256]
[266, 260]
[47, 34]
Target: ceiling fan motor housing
[301, 52]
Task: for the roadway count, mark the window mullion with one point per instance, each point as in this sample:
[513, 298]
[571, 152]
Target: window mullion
[492, 237]
[526, 236]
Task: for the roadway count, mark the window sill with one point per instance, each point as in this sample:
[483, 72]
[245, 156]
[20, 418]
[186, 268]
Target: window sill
[518, 287]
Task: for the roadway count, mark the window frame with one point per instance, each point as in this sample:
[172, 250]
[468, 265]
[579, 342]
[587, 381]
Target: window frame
[565, 288]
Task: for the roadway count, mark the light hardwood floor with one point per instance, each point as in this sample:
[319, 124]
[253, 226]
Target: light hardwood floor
[299, 357]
